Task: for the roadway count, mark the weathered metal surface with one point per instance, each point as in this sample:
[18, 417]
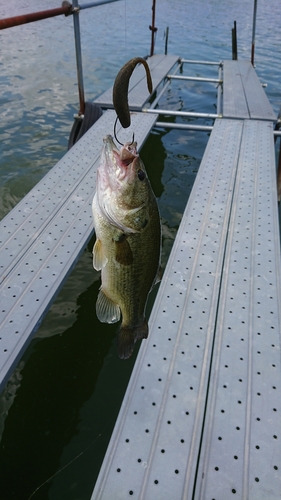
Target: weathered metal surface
[243, 95]
[234, 100]
[200, 419]
[44, 235]
[241, 453]
[10, 22]
[257, 101]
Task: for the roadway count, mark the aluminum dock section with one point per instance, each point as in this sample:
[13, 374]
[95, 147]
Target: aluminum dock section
[201, 416]
[243, 95]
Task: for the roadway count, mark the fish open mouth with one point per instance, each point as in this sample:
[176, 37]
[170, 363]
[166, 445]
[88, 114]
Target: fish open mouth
[123, 157]
[127, 154]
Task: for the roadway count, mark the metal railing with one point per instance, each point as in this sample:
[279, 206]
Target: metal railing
[66, 9]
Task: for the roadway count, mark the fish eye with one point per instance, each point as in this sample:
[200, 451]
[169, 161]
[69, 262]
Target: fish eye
[141, 175]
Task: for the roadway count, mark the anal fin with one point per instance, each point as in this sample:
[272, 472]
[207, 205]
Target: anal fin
[107, 311]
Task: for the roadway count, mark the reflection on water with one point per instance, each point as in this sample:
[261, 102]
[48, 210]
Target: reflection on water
[58, 410]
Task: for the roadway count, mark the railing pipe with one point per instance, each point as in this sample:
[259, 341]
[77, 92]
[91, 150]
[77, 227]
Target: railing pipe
[190, 114]
[166, 40]
[76, 25]
[10, 22]
[153, 28]
[211, 63]
[194, 78]
[254, 32]
[219, 95]
[234, 43]
[184, 126]
[166, 85]
[66, 9]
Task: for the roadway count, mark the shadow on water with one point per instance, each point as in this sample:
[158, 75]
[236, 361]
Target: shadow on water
[71, 384]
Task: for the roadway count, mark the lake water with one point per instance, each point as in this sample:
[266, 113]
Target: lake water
[59, 408]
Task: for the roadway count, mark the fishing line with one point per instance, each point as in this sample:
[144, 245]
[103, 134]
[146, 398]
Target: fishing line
[126, 29]
[67, 465]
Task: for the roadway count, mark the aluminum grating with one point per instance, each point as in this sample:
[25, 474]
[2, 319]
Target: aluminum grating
[243, 95]
[257, 100]
[155, 444]
[44, 235]
[234, 100]
[241, 453]
[160, 65]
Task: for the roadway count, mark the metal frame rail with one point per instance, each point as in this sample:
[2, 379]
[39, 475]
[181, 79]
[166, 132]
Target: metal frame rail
[66, 9]
[201, 415]
[165, 67]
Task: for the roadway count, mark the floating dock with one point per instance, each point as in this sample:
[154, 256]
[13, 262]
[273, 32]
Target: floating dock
[201, 415]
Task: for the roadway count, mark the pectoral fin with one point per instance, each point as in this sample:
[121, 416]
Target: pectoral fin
[107, 311]
[99, 259]
[123, 252]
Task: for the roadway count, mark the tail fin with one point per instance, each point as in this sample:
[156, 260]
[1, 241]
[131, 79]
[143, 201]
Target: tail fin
[127, 338]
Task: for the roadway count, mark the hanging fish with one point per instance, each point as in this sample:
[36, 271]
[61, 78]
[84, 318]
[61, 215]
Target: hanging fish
[128, 241]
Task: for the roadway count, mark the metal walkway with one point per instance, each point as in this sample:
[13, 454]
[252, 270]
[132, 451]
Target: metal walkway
[200, 418]
[201, 415]
[243, 95]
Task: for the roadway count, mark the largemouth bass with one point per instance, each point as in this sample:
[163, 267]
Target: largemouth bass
[128, 241]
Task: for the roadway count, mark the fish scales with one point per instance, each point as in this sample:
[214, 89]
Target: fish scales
[128, 241]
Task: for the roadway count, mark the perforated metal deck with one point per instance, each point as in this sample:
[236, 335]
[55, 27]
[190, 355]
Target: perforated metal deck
[243, 95]
[160, 65]
[44, 235]
[217, 313]
[241, 452]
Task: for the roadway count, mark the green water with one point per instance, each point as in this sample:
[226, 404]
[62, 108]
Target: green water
[58, 410]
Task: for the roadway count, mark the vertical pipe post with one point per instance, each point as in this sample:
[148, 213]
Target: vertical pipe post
[166, 40]
[152, 28]
[219, 95]
[234, 43]
[254, 32]
[279, 173]
[78, 56]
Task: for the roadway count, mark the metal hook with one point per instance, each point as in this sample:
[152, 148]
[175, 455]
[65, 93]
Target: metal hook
[115, 132]
[133, 139]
